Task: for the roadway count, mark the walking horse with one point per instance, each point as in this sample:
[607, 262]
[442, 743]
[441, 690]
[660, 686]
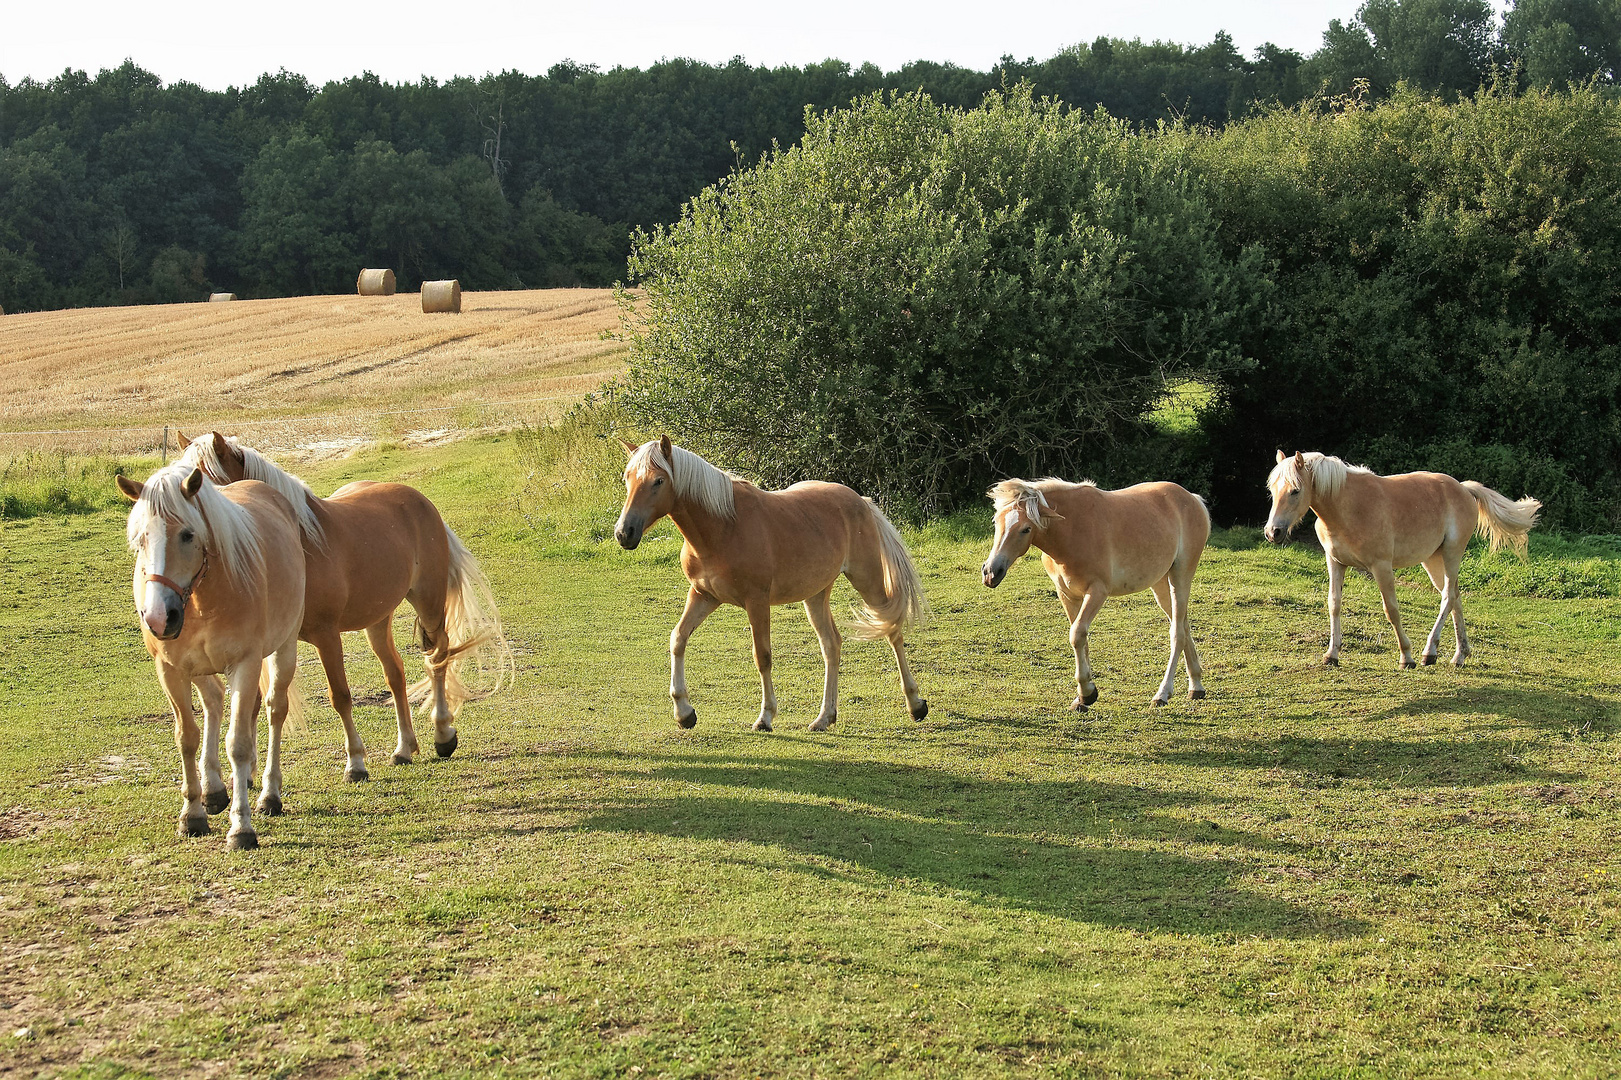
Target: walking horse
[219, 587]
[368, 547]
[1383, 523]
[756, 549]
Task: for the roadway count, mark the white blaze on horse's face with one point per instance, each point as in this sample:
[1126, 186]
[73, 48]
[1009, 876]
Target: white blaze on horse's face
[1290, 501]
[1015, 531]
[170, 553]
[649, 495]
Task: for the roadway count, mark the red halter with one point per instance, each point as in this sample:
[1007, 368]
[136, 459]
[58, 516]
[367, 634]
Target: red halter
[183, 593]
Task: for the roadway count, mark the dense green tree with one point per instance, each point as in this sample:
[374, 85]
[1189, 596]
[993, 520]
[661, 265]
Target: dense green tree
[1564, 42]
[295, 237]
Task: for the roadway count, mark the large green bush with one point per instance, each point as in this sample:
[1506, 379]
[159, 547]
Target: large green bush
[1448, 292]
[917, 299]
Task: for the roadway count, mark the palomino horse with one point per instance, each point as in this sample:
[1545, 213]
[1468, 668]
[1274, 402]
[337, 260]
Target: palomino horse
[1097, 544]
[369, 546]
[1383, 523]
[756, 549]
[198, 624]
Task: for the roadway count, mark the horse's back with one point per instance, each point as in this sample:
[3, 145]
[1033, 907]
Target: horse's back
[1417, 513]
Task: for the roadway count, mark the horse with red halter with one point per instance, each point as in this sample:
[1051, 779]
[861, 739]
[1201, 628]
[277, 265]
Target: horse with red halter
[1097, 544]
[219, 587]
[756, 549]
[1383, 523]
[368, 547]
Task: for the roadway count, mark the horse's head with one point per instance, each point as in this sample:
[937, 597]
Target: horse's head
[649, 490]
[220, 461]
[1290, 484]
[1022, 512]
[171, 557]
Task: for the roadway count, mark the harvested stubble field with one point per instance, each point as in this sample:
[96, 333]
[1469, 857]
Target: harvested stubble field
[251, 364]
[1352, 872]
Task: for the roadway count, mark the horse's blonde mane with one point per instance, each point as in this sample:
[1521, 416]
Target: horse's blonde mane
[225, 529]
[1328, 473]
[691, 476]
[1032, 495]
[255, 466]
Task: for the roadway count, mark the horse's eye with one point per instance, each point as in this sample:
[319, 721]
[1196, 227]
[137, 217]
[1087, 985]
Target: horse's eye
[186, 536]
[1025, 531]
[658, 480]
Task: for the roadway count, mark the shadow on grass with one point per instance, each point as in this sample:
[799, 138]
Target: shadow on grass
[1069, 849]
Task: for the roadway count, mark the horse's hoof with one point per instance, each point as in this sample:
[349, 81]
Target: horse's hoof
[192, 827]
[1457, 661]
[1090, 696]
[270, 805]
[362, 774]
[445, 749]
[245, 840]
[691, 720]
[1331, 661]
[1078, 705]
[1408, 665]
[822, 724]
[761, 724]
[1429, 659]
[1196, 695]
[922, 710]
[401, 759]
[1160, 703]
[216, 801]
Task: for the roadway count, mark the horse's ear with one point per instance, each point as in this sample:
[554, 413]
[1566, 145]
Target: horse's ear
[131, 488]
[193, 484]
[1280, 457]
[1300, 460]
[223, 449]
[664, 446]
[630, 447]
[180, 439]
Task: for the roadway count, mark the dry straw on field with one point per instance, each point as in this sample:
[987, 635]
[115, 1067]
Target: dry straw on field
[256, 360]
[375, 283]
[221, 297]
[442, 296]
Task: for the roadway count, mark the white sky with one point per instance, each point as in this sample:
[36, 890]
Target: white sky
[231, 42]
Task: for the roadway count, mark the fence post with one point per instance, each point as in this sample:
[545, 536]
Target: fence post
[166, 444]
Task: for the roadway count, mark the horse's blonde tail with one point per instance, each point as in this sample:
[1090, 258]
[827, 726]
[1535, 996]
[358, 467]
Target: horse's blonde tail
[1503, 522]
[473, 629]
[297, 721]
[903, 602]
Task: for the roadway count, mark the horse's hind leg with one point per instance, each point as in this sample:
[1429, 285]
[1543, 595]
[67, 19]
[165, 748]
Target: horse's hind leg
[1190, 651]
[380, 636]
[212, 693]
[1443, 573]
[329, 646]
[193, 815]
[820, 614]
[283, 665]
[436, 655]
[1385, 578]
[1174, 603]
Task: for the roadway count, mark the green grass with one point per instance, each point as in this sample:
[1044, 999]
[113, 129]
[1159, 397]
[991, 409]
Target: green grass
[37, 482]
[1350, 872]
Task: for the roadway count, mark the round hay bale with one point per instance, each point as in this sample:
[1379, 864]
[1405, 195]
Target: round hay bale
[442, 296]
[221, 297]
[375, 283]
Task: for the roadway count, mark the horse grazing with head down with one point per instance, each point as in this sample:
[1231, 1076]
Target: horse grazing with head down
[1383, 523]
[756, 549]
[368, 547]
[219, 587]
[1097, 544]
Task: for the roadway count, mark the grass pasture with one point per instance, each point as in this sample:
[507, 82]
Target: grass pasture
[1350, 872]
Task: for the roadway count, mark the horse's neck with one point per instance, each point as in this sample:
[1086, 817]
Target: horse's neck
[1331, 509]
[702, 529]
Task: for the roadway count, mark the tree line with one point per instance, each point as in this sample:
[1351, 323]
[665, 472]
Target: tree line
[118, 188]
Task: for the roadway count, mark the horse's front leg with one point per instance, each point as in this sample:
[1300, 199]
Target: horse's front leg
[1086, 609]
[760, 627]
[1385, 578]
[283, 665]
[820, 614]
[699, 606]
[243, 745]
[177, 688]
[212, 692]
[1336, 598]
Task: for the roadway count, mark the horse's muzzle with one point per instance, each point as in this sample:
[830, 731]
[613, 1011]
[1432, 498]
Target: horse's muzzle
[174, 621]
[992, 575]
[628, 535]
[1277, 535]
